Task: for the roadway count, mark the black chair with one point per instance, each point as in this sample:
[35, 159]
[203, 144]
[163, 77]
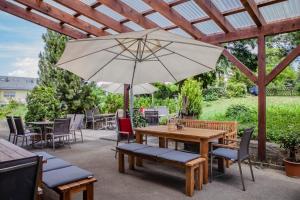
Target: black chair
[152, 117]
[19, 178]
[23, 132]
[61, 130]
[234, 154]
[12, 128]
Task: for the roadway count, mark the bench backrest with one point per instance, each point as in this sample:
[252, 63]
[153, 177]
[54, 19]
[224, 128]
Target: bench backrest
[229, 126]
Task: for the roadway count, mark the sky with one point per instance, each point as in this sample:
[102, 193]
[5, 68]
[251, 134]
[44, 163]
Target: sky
[20, 45]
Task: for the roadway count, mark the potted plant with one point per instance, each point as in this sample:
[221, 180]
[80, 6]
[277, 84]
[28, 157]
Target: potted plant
[290, 141]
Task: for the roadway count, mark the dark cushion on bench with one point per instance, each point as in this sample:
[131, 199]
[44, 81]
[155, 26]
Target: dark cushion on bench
[153, 151]
[131, 146]
[179, 156]
[64, 176]
[230, 154]
[45, 155]
[55, 163]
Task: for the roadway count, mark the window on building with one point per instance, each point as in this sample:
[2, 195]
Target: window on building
[9, 94]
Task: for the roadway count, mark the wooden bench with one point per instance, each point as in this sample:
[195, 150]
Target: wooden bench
[66, 179]
[231, 128]
[193, 168]
[86, 186]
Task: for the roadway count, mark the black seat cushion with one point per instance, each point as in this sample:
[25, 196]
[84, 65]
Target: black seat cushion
[230, 154]
[153, 151]
[45, 155]
[55, 163]
[65, 175]
[131, 146]
[179, 156]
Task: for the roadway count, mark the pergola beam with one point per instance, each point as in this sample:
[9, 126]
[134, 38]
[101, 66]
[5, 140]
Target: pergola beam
[37, 19]
[129, 13]
[212, 11]
[283, 64]
[254, 12]
[164, 9]
[62, 16]
[243, 68]
[274, 28]
[99, 17]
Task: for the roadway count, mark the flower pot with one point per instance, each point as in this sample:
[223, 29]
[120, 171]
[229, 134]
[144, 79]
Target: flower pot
[292, 169]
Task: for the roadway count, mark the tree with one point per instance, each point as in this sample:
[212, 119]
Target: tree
[42, 104]
[74, 94]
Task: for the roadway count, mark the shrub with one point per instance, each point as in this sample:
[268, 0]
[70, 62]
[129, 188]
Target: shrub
[191, 96]
[298, 87]
[138, 119]
[112, 103]
[142, 102]
[213, 93]
[42, 104]
[13, 108]
[236, 89]
[169, 102]
[290, 140]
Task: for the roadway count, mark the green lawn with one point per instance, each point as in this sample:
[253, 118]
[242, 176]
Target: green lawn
[210, 109]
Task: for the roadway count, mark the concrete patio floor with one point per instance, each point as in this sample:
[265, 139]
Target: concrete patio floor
[164, 182]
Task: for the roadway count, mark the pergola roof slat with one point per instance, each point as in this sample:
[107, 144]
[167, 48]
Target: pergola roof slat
[129, 12]
[211, 10]
[164, 9]
[64, 17]
[254, 12]
[37, 19]
[101, 18]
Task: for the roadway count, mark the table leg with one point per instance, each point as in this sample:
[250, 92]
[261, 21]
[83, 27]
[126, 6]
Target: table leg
[204, 154]
[162, 142]
[221, 161]
[131, 160]
[121, 162]
[139, 139]
[189, 181]
[88, 194]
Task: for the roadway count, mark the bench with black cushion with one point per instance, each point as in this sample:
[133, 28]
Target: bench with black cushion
[192, 163]
[65, 178]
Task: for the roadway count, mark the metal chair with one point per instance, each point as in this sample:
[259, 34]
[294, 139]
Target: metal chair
[92, 116]
[20, 178]
[234, 154]
[152, 117]
[23, 132]
[12, 128]
[77, 125]
[61, 129]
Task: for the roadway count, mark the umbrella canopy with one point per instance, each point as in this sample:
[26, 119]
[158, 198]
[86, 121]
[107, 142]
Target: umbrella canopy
[137, 89]
[148, 56]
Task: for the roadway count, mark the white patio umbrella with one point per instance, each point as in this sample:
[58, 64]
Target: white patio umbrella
[148, 56]
[118, 88]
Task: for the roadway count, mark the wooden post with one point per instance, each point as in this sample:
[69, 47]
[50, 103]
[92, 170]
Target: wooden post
[261, 98]
[126, 99]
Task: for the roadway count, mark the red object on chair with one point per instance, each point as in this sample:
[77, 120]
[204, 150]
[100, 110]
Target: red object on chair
[125, 126]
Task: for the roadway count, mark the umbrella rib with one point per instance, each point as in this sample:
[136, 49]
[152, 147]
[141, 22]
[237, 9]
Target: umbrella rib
[109, 61]
[160, 48]
[126, 48]
[94, 52]
[200, 45]
[186, 57]
[120, 55]
[167, 54]
[161, 62]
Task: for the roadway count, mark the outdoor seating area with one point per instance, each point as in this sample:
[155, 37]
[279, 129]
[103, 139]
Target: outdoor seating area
[150, 99]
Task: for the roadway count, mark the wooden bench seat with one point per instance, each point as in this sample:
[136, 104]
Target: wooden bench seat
[192, 163]
[65, 178]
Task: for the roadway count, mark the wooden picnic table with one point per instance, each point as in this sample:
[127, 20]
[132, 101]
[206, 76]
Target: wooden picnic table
[9, 151]
[195, 135]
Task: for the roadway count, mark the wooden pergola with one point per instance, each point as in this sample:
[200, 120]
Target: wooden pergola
[212, 21]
